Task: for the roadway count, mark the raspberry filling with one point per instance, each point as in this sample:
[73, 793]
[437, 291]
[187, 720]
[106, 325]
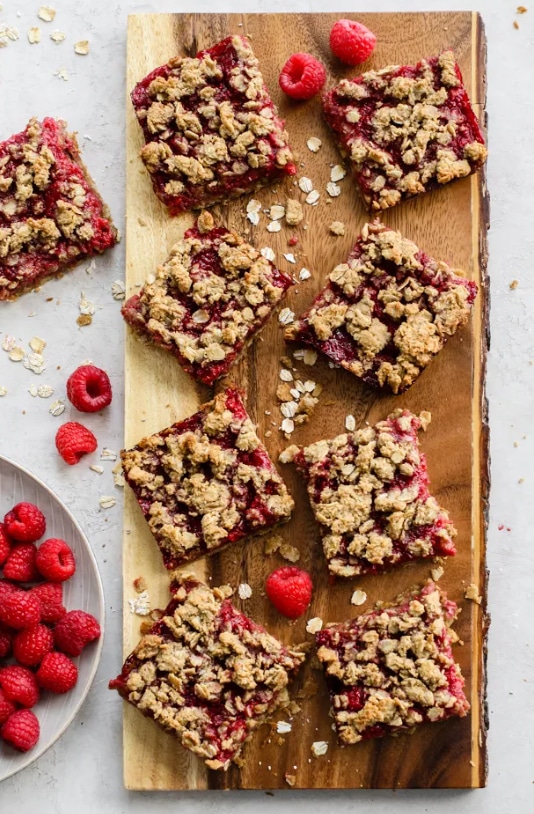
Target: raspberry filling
[220, 96]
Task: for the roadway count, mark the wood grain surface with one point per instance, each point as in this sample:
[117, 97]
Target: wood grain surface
[450, 224]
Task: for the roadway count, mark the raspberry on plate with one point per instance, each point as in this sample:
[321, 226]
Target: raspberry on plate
[5, 544]
[89, 389]
[206, 481]
[73, 440]
[211, 129]
[32, 644]
[290, 590]
[387, 311]
[351, 42]
[25, 523]
[7, 707]
[220, 673]
[19, 685]
[302, 76]
[75, 631]
[52, 215]
[406, 130]
[55, 560]
[369, 492]
[6, 636]
[393, 668]
[208, 300]
[20, 609]
[21, 730]
[20, 563]
[57, 673]
[50, 595]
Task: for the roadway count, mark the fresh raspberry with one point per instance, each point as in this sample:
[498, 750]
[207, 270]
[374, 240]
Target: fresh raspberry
[55, 561]
[20, 563]
[89, 389]
[5, 544]
[57, 673]
[21, 730]
[20, 609]
[7, 587]
[25, 523]
[290, 590]
[302, 76]
[19, 685]
[75, 631]
[7, 707]
[5, 641]
[30, 646]
[74, 440]
[351, 42]
[50, 595]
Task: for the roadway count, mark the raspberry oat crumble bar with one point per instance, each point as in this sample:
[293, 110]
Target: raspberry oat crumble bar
[208, 300]
[211, 129]
[406, 130]
[392, 668]
[387, 311]
[207, 673]
[206, 481]
[51, 216]
[369, 493]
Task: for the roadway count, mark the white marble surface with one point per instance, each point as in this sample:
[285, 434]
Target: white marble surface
[83, 772]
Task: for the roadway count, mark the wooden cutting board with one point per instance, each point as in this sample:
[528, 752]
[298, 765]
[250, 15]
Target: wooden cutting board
[450, 224]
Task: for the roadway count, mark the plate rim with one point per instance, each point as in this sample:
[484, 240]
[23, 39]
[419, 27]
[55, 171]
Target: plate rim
[97, 652]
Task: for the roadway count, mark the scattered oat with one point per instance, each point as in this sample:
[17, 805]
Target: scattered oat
[283, 727]
[314, 625]
[118, 477]
[34, 35]
[274, 226]
[272, 544]
[294, 212]
[337, 173]
[521, 10]
[268, 253]
[304, 274]
[286, 375]
[7, 32]
[313, 197]
[62, 73]
[86, 306]
[244, 590]
[289, 552]
[514, 284]
[44, 391]
[140, 605]
[437, 573]
[288, 408]
[57, 36]
[118, 290]
[97, 468]
[314, 144]
[286, 316]
[350, 423]
[107, 501]
[16, 354]
[319, 748]
[334, 190]
[37, 344]
[277, 212]
[290, 257]
[34, 362]
[309, 357]
[358, 597]
[288, 425]
[337, 228]
[57, 407]
[108, 455]
[8, 343]
[81, 47]
[290, 779]
[3, 391]
[305, 184]
[472, 593]
[46, 13]
[515, 24]
[253, 211]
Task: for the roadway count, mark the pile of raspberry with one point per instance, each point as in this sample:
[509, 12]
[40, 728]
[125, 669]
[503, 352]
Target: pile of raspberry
[38, 636]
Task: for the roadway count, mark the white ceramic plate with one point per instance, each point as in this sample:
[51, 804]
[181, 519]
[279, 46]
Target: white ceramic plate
[82, 592]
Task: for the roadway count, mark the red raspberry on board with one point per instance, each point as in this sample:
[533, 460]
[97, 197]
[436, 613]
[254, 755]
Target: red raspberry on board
[74, 440]
[302, 76]
[20, 563]
[290, 590]
[75, 631]
[55, 561]
[89, 389]
[57, 673]
[50, 595]
[21, 730]
[20, 609]
[19, 685]
[351, 42]
[6, 544]
[5, 641]
[30, 646]
[25, 523]
[7, 707]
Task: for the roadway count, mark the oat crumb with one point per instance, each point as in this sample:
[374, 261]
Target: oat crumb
[46, 14]
[358, 597]
[283, 727]
[290, 779]
[337, 228]
[319, 748]
[314, 625]
[472, 593]
[437, 573]
[244, 590]
[34, 35]
[81, 47]
[514, 284]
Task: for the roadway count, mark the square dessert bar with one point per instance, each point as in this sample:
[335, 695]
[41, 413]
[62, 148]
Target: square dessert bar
[392, 668]
[387, 311]
[406, 130]
[207, 673]
[51, 215]
[369, 493]
[208, 300]
[206, 482]
[211, 129]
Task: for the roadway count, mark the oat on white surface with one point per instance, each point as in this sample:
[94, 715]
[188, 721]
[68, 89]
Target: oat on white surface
[86, 306]
[118, 290]
[107, 501]
[16, 354]
[35, 362]
[34, 35]
[7, 33]
[3, 391]
[314, 625]
[108, 455]
[8, 343]
[244, 590]
[350, 423]
[314, 144]
[286, 316]
[319, 748]
[44, 391]
[274, 226]
[57, 36]
[62, 73]
[358, 597]
[37, 344]
[140, 604]
[305, 184]
[283, 727]
[268, 253]
[337, 173]
[57, 408]
[313, 197]
[97, 468]
[46, 14]
[81, 47]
